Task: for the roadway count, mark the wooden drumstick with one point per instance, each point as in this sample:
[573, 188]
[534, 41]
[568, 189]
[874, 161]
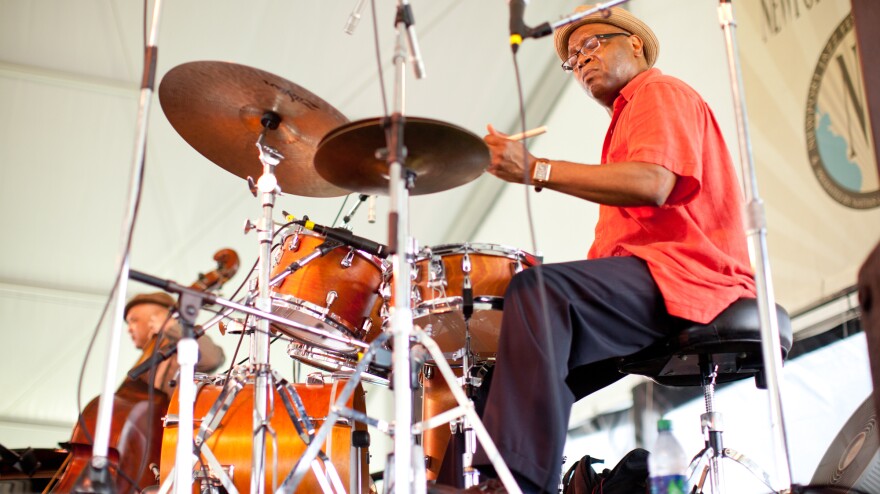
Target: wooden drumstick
[529, 133]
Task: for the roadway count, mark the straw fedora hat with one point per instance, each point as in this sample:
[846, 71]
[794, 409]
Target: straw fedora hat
[614, 16]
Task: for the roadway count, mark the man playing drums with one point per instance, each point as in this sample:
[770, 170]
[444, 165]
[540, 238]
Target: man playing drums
[669, 245]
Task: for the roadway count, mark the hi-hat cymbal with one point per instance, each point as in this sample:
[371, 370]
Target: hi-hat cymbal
[217, 107]
[441, 155]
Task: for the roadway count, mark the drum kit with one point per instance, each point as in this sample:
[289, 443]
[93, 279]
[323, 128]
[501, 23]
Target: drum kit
[394, 315]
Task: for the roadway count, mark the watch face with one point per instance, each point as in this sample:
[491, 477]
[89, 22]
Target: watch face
[542, 171]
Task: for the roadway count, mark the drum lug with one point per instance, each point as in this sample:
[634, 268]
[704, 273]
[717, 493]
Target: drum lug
[348, 259]
[436, 273]
[294, 242]
[428, 371]
[208, 479]
[367, 326]
[518, 265]
[331, 297]
[384, 290]
[315, 378]
[172, 419]
[416, 296]
[466, 263]
[276, 256]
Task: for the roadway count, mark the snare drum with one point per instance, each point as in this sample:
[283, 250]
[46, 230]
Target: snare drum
[336, 292]
[440, 274]
[231, 443]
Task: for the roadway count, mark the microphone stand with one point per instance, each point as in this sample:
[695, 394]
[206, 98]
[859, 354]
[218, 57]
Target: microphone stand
[401, 320]
[97, 477]
[756, 230]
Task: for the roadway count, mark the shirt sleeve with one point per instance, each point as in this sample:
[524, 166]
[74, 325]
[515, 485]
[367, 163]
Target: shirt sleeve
[665, 127]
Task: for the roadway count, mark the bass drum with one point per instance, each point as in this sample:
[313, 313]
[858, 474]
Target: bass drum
[231, 443]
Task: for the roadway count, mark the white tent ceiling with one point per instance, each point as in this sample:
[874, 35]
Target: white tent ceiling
[69, 77]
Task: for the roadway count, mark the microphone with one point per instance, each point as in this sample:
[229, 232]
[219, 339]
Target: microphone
[371, 209]
[348, 238]
[355, 17]
[518, 29]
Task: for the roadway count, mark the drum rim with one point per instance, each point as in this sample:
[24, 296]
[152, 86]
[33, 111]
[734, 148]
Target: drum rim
[312, 309]
[454, 303]
[321, 358]
[380, 263]
[496, 250]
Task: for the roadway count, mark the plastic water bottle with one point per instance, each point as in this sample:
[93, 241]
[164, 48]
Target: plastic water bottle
[667, 462]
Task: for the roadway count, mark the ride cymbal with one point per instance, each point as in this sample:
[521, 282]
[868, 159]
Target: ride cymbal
[441, 155]
[217, 108]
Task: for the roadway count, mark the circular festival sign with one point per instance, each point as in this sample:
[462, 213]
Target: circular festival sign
[838, 128]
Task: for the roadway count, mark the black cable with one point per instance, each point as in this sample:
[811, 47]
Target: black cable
[122, 261]
[379, 60]
[542, 289]
[341, 209]
[110, 298]
[151, 393]
[119, 471]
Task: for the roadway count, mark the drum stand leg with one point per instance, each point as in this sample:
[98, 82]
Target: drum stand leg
[466, 409]
[296, 410]
[209, 425]
[312, 452]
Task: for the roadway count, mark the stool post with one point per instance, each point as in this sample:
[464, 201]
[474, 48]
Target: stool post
[711, 424]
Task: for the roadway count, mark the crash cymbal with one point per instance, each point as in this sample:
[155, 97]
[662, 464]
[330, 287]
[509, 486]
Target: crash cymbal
[217, 107]
[441, 155]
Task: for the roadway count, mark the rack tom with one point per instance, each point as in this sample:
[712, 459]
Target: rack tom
[440, 277]
[336, 293]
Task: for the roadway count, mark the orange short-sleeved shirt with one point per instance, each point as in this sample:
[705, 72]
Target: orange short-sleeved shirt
[695, 244]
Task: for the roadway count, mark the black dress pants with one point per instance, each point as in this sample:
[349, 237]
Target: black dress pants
[597, 310]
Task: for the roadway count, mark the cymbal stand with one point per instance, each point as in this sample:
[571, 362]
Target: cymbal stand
[408, 468]
[267, 184]
[96, 477]
[756, 230]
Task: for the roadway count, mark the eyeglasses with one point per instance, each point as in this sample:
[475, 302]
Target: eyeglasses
[590, 46]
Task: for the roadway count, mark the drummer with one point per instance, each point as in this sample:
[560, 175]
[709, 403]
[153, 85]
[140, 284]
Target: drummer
[149, 316]
[669, 248]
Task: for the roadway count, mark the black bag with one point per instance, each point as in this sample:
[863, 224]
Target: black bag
[629, 476]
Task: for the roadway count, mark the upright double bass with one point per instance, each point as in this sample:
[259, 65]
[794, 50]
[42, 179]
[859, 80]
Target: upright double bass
[136, 429]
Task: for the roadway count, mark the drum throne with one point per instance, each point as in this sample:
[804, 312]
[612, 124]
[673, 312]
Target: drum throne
[726, 349]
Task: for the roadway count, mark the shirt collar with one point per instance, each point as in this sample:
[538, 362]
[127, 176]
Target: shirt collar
[632, 86]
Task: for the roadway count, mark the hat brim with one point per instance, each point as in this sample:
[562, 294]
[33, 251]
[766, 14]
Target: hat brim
[157, 298]
[615, 16]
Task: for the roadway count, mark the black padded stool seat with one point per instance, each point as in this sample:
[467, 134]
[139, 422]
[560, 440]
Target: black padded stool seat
[732, 341]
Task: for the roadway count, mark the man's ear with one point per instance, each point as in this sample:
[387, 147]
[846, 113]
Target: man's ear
[638, 46]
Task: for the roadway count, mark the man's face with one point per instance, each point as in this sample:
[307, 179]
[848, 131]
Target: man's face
[144, 320]
[611, 66]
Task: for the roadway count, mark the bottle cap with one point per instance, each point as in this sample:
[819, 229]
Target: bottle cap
[664, 425]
